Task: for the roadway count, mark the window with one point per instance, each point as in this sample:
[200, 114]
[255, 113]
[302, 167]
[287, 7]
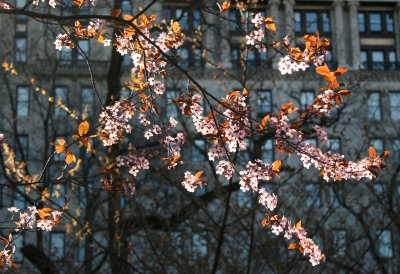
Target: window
[244, 199]
[22, 148]
[396, 149]
[374, 106]
[312, 196]
[57, 244]
[198, 149]
[385, 249]
[57, 194]
[264, 102]
[339, 241]
[375, 23]
[126, 7]
[306, 99]
[378, 59]
[66, 56]
[80, 251]
[20, 4]
[394, 105]
[171, 109]
[18, 240]
[378, 145]
[334, 145]
[83, 50]
[199, 244]
[252, 60]
[18, 198]
[60, 97]
[236, 16]
[87, 101]
[267, 151]
[21, 49]
[22, 101]
[310, 21]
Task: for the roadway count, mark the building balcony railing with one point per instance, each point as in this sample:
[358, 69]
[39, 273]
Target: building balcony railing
[385, 66]
[74, 66]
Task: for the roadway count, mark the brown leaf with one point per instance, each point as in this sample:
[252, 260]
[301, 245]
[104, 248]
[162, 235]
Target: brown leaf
[83, 128]
[293, 246]
[372, 152]
[127, 17]
[269, 24]
[198, 174]
[70, 157]
[224, 7]
[116, 12]
[276, 165]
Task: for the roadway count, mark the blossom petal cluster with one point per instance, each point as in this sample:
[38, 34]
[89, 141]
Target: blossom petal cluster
[134, 162]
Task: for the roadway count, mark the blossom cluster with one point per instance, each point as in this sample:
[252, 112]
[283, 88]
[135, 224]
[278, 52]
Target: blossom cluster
[63, 40]
[48, 218]
[53, 3]
[287, 65]
[134, 162]
[191, 182]
[306, 245]
[114, 120]
[321, 134]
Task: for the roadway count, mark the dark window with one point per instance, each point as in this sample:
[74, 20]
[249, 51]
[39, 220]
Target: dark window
[243, 22]
[18, 240]
[21, 49]
[57, 245]
[396, 150]
[377, 144]
[375, 23]
[22, 101]
[126, 7]
[378, 59]
[60, 97]
[22, 148]
[306, 99]
[334, 145]
[385, 248]
[19, 199]
[83, 50]
[66, 56]
[264, 102]
[20, 4]
[267, 151]
[171, 109]
[253, 59]
[374, 106]
[394, 105]
[310, 21]
[198, 149]
[188, 19]
[87, 101]
[59, 156]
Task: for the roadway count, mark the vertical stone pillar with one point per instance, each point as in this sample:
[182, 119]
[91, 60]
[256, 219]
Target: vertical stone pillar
[273, 6]
[396, 16]
[289, 20]
[354, 34]
[340, 43]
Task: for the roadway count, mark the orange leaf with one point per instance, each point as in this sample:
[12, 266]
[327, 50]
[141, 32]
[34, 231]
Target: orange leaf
[323, 70]
[340, 71]
[198, 174]
[269, 24]
[298, 225]
[83, 128]
[224, 7]
[372, 152]
[264, 222]
[344, 92]
[44, 212]
[293, 246]
[70, 157]
[127, 17]
[116, 13]
[60, 149]
[276, 165]
[60, 141]
[385, 153]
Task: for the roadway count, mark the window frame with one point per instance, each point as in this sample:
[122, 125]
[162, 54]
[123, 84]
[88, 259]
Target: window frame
[391, 107]
[51, 248]
[367, 23]
[320, 22]
[18, 101]
[57, 111]
[372, 116]
[386, 65]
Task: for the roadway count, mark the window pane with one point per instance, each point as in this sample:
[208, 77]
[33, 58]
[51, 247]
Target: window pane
[83, 49]
[182, 16]
[334, 145]
[87, 101]
[389, 22]
[311, 22]
[183, 57]
[361, 22]
[364, 59]
[378, 60]
[18, 240]
[297, 21]
[198, 150]
[312, 198]
[21, 47]
[396, 150]
[374, 106]
[267, 151]
[235, 57]
[264, 102]
[232, 16]
[375, 22]
[22, 101]
[18, 199]
[171, 109]
[60, 97]
[326, 27]
[20, 4]
[392, 60]
[394, 98]
[306, 99]
[65, 55]
[57, 244]
[378, 145]
[126, 7]
[23, 150]
[385, 249]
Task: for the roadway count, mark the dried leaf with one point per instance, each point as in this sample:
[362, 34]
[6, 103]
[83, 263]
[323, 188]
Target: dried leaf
[198, 174]
[83, 128]
[372, 152]
[116, 12]
[276, 165]
[293, 246]
[70, 157]
[224, 7]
